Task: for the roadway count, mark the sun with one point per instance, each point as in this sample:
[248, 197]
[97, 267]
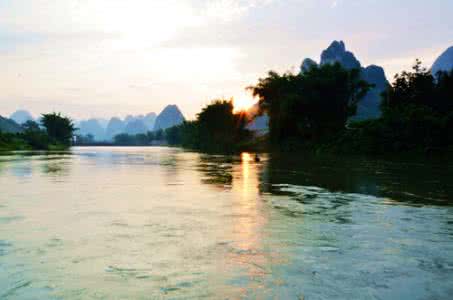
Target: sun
[243, 103]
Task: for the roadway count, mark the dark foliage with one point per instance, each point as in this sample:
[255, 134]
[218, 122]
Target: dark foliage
[12, 141]
[311, 106]
[87, 139]
[141, 139]
[417, 116]
[216, 129]
[36, 137]
[60, 129]
[56, 133]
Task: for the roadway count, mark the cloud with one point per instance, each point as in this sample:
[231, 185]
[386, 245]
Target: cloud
[86, 51]
[146, 53]
[229, 10]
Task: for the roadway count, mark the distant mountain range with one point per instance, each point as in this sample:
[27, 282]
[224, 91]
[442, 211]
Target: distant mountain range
[92, 127]
[8, 125]
[103, 129]
[170, 116]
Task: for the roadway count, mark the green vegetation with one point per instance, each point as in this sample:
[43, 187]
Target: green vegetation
[12, 141]
[417, 115]
[142, 139]
[216, 129]
[59, 129]
[55, 134]
[312, 110]
[310, 107]
[308, 111]
[123, 139]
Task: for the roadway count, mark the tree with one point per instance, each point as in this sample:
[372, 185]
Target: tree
[35, 136]
[313, 105]
[31, 126]
[219, 128]
[87, 139]
[418, 109]
[59, 128]
[173, 135]
[159, 135]
[150, 136]
[444, 91]
[410, 88]
[189, 134]
[216, 129]
[124, 139]
[142, 139]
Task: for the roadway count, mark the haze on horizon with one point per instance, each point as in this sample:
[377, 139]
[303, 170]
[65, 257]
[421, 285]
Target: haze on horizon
[103, 58]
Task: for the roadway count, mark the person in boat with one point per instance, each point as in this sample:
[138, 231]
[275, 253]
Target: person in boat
[257, 158]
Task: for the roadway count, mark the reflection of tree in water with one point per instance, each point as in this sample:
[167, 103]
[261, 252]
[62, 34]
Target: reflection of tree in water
[216, 169]
[56, 169]
[52, 168]
[2, 167]
[415, 182]
[172, 164]
[56, 165]
[25, 163]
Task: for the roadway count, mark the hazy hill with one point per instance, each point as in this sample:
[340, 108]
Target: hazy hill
[444, 62]
[103, 122]
[135, 124]
[149, 120]
[169, 117]
[114, 127]
[10, 126]
[103, 129]
[131, 118]
[135, 127]
[260, 123]
[93, 127]
[21, 116]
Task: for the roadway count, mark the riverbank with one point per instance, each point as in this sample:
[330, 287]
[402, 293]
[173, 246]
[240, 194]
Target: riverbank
[22, 142]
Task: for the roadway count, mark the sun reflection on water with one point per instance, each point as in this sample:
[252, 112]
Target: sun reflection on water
[247, 254]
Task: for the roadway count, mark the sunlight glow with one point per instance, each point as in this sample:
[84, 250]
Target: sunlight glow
[243, 103]
[141, 22]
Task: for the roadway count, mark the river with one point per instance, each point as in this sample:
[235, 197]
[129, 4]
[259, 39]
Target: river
[164, 223]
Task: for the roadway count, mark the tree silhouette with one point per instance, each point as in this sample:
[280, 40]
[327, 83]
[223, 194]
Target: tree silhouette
[216, 129]
[60, 129]
[310, 106]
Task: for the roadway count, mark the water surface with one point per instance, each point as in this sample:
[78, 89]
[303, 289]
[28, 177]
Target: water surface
[158, 223]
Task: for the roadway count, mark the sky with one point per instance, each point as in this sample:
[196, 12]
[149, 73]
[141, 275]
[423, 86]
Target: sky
[104, 58]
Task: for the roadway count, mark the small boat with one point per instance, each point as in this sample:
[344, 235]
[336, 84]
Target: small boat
[257, 158]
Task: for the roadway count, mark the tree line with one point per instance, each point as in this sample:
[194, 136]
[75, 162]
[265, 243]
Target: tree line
[307, 111]
[417, 115]
[124, 139]
[53, 132]
[216, 129]
[312, 111]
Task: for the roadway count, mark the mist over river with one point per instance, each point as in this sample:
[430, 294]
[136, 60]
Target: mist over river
[164, 223]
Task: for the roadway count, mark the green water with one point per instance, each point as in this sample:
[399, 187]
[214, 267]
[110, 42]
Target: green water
[163, 223]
